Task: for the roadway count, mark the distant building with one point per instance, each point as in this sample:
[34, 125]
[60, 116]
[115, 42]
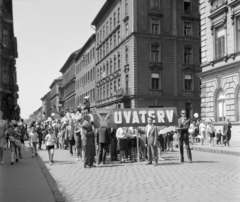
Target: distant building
[147, 54]
[220, 45]
[8, 54]
[68, 82]
[85, 83]
[46, 106]
[56, 95]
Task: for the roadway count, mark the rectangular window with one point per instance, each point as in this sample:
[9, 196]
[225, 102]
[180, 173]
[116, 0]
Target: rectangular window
[107, 94]
[155, 56]
[118, 15]
[114, 19]
[114, 40]
[155, 26]
[126, 55]
[217, 3]
[126, 29]
[5, 38]
[188, 82]
[238, 33]
[187, 6]
[107, 48]
[103, 32]
[110, 24]
[187, 29]
[220, 35]
[111, 90]
[103, 92]
[155, 81]
[127, 82]
[115, 87]
[119, 37]
[107, 29]
[93, 92]
[155, 4]
[188, 55]
[126, 7]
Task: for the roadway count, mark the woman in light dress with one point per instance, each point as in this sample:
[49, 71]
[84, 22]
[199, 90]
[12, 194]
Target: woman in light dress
[210, 132]
[122, 142]
[191, 131]
[202, 130]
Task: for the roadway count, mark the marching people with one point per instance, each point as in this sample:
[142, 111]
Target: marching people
[57, 132]
[183, 124]
[103, 141]
[3, 130]
[152, 136]
[88, 142]
[33, 141]
[50, 142]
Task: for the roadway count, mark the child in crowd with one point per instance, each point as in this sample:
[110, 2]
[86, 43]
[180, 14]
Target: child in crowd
[218, 137]
[33, 141]
[50, 142]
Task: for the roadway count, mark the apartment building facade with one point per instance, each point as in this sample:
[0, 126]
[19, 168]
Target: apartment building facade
[85, 84]
[147, 54]
[68, 82]
[220, 45]
[8, 54]
[56, 95]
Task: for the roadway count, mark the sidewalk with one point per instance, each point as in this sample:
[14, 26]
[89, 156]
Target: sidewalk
[234, 148]
[27, 181]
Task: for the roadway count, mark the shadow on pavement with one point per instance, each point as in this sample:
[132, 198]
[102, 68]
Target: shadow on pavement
[205, 162]
[61, 162]
[166, 163]
[114, 165]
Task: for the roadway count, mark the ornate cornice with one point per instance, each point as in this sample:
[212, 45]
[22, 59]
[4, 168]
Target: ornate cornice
[155, 66]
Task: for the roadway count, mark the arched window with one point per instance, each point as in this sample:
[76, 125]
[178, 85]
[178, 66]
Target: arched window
[221, 106]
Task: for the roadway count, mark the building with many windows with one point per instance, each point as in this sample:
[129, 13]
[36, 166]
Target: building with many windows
[220, 45]
[56, 95]
[147, 54]
[86, 73]
[68, 82]
[8, 54]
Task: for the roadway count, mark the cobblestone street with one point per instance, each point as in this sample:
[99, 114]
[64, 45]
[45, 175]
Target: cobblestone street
[211, 177]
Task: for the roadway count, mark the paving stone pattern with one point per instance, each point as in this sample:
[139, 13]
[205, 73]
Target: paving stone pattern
[211, 177]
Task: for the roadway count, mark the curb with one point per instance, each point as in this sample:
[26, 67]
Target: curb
[217, 151]
[51, 182]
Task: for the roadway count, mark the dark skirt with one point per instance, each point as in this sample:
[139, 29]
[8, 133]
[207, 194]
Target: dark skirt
[122, 145]
[133, 142]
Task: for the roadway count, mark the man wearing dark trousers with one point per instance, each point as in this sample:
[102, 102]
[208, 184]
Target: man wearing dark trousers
[113, 147]
[183, 124]
[40, 135]
[103, 140]
[152, 136]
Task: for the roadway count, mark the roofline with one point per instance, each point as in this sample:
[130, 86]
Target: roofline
[89, 41]
[101, 12]
[67, 63]
[54, 81]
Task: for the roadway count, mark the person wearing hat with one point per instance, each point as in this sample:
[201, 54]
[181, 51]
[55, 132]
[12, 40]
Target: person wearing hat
[3, 129]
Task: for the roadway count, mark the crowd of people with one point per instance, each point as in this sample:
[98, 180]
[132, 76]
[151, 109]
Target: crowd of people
[76, 133]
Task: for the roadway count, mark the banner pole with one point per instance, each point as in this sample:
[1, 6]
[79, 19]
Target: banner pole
[138, 155]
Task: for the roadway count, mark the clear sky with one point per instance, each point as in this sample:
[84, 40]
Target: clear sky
[48, 31]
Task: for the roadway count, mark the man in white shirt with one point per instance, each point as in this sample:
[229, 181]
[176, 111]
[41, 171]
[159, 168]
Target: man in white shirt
[151, 133]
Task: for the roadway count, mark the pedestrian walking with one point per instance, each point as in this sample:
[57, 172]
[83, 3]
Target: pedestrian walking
[202, 130]
[218, 138]
[227, 132]
[40, 134]
[210, 132]
[183, 124]
[3, 130]
[33, 141]
[78, 139]
[50, 142]
[14, 137]
[88, 142]
[69, 132]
